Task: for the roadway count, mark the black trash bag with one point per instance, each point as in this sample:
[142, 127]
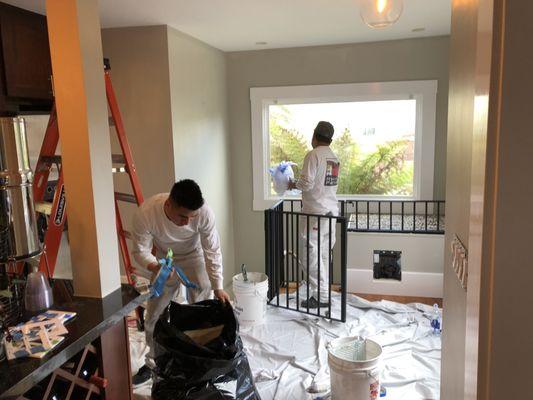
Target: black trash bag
[199, 355]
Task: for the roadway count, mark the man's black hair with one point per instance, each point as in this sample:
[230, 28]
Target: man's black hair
[324, 132]
[186, 193]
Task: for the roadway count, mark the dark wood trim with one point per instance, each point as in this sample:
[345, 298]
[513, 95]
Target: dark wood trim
[116, 363]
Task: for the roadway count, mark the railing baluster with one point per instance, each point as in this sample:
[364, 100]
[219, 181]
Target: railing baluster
[277, 256]
[356, 214]
[438, 215]
[344, 264]
[367, 215]
[292, 247]
[403, 214]
[390, 215]
[307, 276]
[330, 266]
[286, 266]
[319, 263]
[379, 215]
[268, 266]
[426, 212]
[414, 216]
[298, 263]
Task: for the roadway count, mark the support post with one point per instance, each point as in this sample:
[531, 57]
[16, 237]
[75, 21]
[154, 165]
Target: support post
[77, 65]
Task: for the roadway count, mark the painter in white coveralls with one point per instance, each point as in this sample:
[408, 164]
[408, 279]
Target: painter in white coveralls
[318, 182]
[181, 221]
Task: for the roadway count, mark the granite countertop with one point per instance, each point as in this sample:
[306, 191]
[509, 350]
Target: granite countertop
[94, 317]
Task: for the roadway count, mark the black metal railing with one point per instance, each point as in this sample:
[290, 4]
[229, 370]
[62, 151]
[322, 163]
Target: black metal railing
[395, 216]
[304, 262]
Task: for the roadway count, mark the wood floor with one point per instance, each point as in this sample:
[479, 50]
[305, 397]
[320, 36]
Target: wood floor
[377, 297]
[401, 299]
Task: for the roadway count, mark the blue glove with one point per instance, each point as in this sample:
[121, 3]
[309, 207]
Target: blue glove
[164, 273]
[184, 279]
[162, 276]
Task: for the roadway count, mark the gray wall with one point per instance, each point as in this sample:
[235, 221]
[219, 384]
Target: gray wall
[171, 89]
[200, 129]
[140, 76]
[413, 59]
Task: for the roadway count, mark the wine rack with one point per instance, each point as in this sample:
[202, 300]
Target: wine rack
[77, 379]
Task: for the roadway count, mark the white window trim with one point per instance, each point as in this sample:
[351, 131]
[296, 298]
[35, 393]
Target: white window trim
[425, 93]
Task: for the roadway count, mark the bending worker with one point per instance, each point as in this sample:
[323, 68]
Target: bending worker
[183, 222]
[318, 182]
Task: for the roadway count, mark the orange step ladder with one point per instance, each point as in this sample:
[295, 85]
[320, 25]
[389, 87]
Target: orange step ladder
[56, 210]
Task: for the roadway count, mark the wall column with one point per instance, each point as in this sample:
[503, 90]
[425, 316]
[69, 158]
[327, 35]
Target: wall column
[77, 65]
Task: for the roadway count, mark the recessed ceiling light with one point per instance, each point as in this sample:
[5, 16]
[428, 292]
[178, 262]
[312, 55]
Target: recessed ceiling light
[418, 30]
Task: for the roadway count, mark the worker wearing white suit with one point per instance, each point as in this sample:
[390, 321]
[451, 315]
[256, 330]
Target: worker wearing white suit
[180, 221]
[318, 182]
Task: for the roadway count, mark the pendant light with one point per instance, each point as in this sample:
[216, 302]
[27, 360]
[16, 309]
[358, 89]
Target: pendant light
[381, 13]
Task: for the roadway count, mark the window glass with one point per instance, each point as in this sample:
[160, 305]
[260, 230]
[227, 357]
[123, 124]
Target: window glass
[374, 141]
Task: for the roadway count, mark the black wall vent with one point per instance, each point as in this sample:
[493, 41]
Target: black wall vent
[388, 264]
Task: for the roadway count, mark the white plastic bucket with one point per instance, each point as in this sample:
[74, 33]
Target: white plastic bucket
[250, 298]
[352, 379]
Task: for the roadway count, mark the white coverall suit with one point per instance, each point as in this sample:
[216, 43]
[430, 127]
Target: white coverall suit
[318, 183]
[196, 249]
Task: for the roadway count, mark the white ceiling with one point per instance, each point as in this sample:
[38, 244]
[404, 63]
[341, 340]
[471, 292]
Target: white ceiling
[232, 25]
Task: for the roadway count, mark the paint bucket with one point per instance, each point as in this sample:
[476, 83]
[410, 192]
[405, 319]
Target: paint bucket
[352, 378]
[250, 298]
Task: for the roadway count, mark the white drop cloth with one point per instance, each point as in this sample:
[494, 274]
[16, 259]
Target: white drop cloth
[288, 353]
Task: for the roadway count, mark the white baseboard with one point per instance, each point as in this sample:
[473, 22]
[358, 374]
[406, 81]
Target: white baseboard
[418, 284]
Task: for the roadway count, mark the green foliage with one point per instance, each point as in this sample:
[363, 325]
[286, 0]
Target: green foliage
[286, 144]
[382, 172]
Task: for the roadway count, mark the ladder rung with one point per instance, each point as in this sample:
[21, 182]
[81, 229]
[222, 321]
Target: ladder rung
[127, 234]
[117, 170]
[51, 159]
[128, 198]
[44, 207]
[118, 159]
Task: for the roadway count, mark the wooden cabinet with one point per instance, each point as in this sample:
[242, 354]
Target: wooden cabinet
[25, 67]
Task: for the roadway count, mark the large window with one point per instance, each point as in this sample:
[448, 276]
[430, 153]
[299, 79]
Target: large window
[384, 136]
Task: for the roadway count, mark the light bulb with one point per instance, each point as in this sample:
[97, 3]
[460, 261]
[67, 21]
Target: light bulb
[381, 13]
[381, 5]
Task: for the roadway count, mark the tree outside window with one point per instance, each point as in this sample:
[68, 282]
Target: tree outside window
[374, 141]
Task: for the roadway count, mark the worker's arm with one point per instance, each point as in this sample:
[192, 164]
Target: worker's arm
[308, 174]
[143, 243]
[210, 241]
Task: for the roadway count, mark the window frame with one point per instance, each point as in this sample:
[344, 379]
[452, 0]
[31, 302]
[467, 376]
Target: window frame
[423, 91]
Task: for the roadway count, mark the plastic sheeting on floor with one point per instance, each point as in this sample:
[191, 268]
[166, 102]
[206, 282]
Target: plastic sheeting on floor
[288, 353]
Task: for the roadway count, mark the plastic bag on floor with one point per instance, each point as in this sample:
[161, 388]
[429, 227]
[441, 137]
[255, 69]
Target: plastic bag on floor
[199, 355]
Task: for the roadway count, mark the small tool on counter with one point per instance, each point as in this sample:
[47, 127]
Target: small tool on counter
[244, 273]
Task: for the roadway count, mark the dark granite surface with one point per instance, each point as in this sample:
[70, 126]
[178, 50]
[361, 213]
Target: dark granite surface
[94, 317]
